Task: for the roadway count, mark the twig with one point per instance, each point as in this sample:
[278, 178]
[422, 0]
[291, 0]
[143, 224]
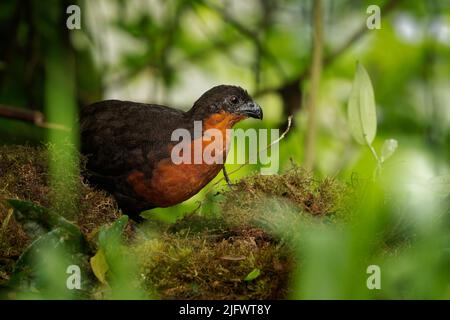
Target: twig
[289, 120]
[225, 175]
[263, 150]
[35, 117]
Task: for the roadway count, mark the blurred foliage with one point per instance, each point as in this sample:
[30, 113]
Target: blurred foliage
[40, 271]
[170, 52]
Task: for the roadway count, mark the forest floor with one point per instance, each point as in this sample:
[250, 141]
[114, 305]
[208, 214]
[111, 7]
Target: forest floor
[247, 251]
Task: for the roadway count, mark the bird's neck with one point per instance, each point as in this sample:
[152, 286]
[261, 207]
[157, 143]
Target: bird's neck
[216, 133]
[221, 121]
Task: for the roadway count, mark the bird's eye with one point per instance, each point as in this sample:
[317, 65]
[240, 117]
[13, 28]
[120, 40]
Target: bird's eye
[234, 99]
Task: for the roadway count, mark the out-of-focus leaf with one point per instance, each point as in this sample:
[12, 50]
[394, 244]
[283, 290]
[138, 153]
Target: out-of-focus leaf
[116, 264]
[42, 266]
[112, 236]
[253, 275]
[361, 108]
[388, 149]
[56, 238]
[56, 244]
[100, 266]
[110, 246]
[37, 220]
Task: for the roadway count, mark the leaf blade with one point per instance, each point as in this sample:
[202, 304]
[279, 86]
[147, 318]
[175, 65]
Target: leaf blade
[388, 149]
[361, 108]
[255, 273]
[100, 266]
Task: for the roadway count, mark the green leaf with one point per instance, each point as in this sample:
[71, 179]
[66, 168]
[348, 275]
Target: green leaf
[42, 266]
[100, 266]
[361, 108]
[54, 239]
[111, 236]
[110, 249]
[56, 244]
[253, 275]
[388, 149]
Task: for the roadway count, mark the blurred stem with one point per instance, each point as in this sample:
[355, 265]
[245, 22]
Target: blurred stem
[316, 70]
[61, 109]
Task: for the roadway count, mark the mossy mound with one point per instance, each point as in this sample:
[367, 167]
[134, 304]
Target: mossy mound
[198, 267]
[209, 258]
[198, 257]
[282, 200]
[24, 174]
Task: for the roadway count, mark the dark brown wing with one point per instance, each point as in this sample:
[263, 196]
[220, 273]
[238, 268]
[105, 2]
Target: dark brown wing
[119, 137]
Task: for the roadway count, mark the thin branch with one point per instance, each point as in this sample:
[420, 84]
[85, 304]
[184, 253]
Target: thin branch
[225, 175]
[35, 117]
[246, 163]
[263, 150]
[250, 34]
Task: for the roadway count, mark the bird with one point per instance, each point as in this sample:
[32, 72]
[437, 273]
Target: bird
[128, 146]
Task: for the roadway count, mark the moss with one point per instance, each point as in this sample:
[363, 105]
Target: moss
[209, 258]
[282, 199]
[22, 175]
[200, 267]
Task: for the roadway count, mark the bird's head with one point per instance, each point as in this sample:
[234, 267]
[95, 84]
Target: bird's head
[226, 99]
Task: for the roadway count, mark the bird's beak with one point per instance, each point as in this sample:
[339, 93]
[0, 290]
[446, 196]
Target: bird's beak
[250, 109]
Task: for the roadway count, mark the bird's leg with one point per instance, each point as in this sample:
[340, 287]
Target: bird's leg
[227, 178]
